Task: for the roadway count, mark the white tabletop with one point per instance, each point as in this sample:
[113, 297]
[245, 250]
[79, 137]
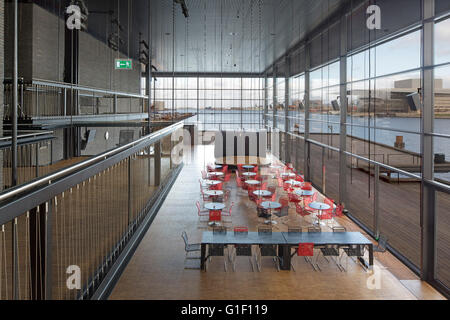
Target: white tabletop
[270, 205]
[214, 206]
[300, 192]
[248, 167]
[288, 174]
[212, 182]
[252, 182]
[319, 206]
[213, 192]
[216, 173]
[249, 174]
[275, 167]
[217, 166]
[262, 193]
[293, 182]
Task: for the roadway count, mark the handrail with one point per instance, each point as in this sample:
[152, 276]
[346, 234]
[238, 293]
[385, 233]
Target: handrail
[34, 134]
[48, 179]
[65, 85]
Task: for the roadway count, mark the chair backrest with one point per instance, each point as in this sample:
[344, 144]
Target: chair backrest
[219, 230]
[280, 182]
[294, 229]
[272, 189]
[284, 202]
[225, 169]
[240, 230]
[264, 186]
[185, 238]
[299, 178]
[305, 249]
[339, 210]
[227, 177]
[238, 182]
[198, 207]
[264, 230]
[255, 169]
[314, 229]
[215, 215]
[231, 208]
[339, 229]
[204, 175]
[314, 197]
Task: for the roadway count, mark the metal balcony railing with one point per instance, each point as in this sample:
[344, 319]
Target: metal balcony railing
[66, 235]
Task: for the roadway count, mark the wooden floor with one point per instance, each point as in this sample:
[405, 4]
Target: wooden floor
[156, 270]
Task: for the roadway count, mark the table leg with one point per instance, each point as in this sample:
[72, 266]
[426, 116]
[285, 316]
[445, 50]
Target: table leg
[284, 255]
[371, 255]
[203, 257]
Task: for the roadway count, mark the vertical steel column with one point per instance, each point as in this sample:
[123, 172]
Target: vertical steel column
[287, 137]
[149, 72]
[14, 98]
[274, 97]
[428, 212]
[344, 105]
[64, 102]
[130, 190]
[306, 150]
[15, 259]
[266, 107]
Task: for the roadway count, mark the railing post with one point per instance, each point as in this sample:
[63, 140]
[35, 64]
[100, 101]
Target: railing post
[65, 101]
[115, 104]
[15, 261]
[37, 159]
[48, 249]
[157, 151]
[130, 182]
[14, 98]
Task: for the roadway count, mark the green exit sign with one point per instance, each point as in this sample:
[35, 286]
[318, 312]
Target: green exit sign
[126, 64]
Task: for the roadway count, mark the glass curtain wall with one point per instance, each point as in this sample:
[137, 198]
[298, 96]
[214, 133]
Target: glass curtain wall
[380, 182]
[220, 103]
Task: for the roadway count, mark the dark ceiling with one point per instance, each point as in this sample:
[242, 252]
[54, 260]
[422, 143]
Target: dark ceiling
[219, 35]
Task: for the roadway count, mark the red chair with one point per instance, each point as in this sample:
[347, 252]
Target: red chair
[228, 213]
[227, 177]
[255, 169]
[201, 213]
[239, 182]
[280, 182]
[305, 250]
[284, 210]
[301, 211]
[215, 215]
[326, 215]
[293, 198]
[306, 186]
[251, 195]
[240, 229]
[240, 169]
[225, 169]
[264, 186]
[299, 178]
[209, 167]
[314, 197]
[339, 210]
[204, 175]
[218, 186]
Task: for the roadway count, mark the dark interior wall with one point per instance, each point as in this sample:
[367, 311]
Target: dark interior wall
[132, 15]
[41, 52]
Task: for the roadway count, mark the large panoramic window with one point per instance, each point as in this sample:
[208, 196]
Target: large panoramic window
[218, 103]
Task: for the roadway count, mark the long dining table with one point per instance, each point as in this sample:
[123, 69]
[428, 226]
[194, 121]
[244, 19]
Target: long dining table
[284, 241]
